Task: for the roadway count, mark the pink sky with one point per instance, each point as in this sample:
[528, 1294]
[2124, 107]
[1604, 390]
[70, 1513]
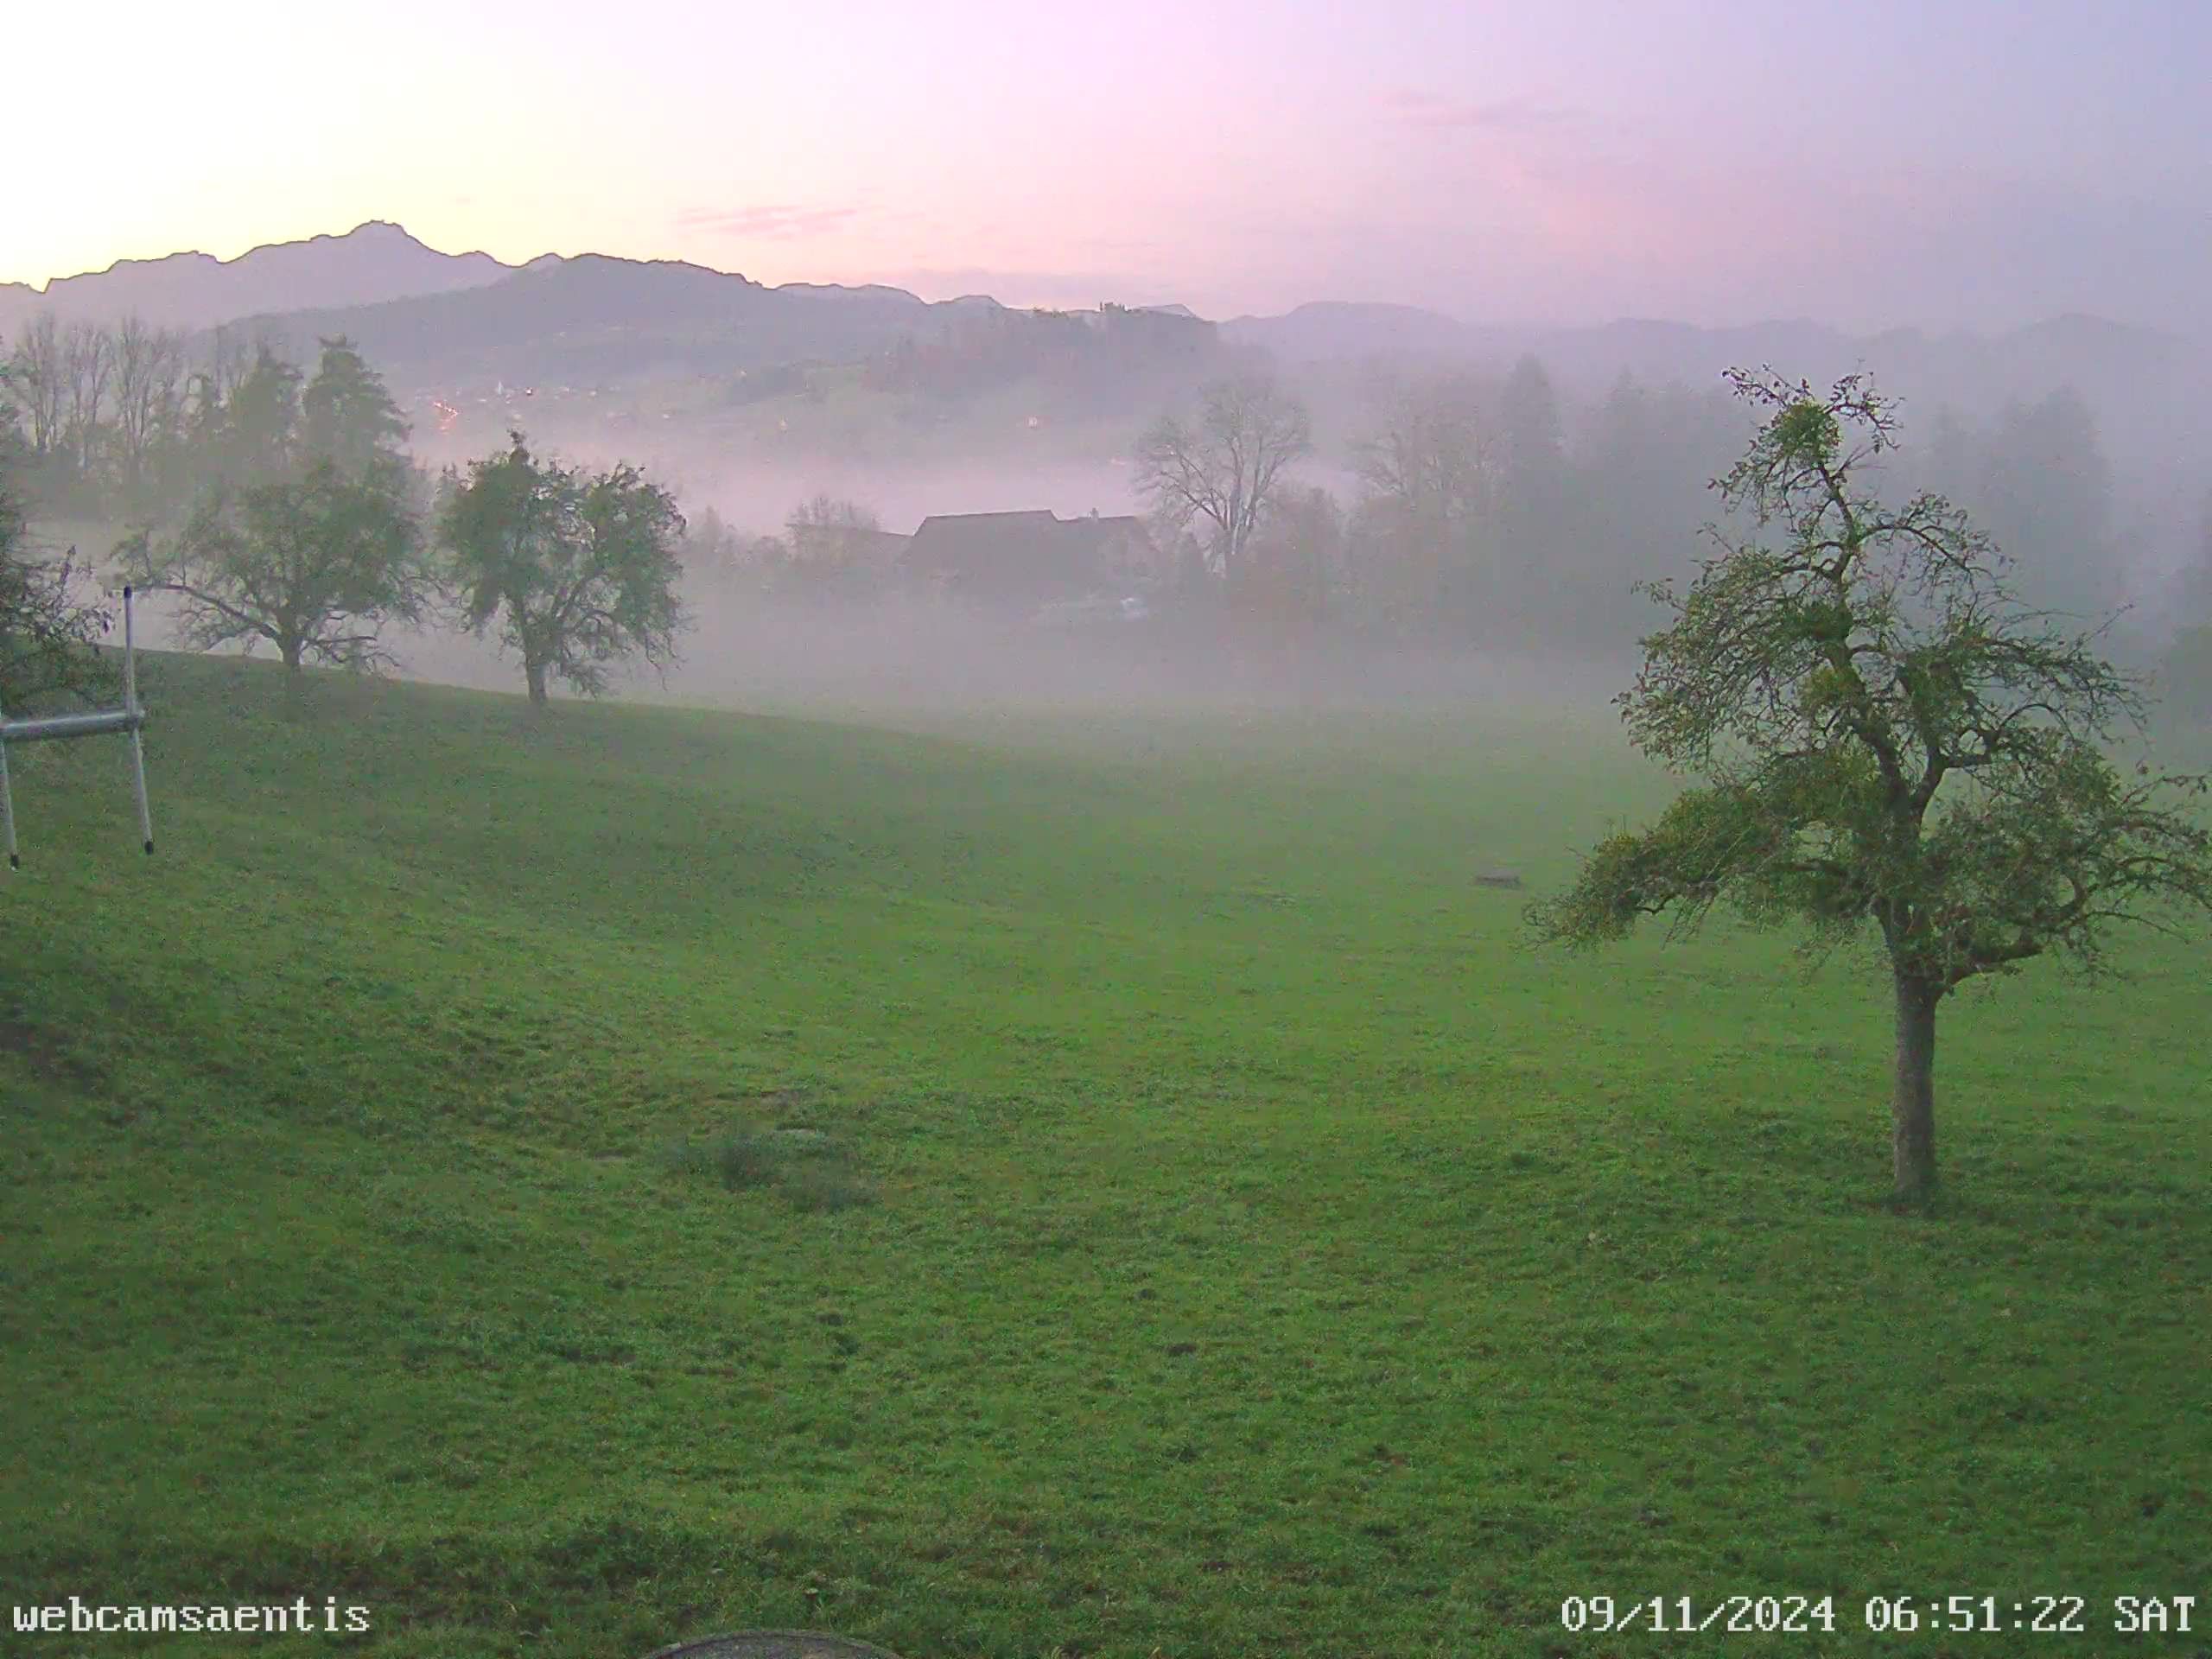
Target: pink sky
[1962, 163]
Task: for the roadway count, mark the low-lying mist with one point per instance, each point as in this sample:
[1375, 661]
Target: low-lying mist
[890, 658]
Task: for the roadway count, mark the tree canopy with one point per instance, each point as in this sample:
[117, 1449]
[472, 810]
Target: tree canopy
[309, 539]
[1890, 741]
[577, 571]
[315, 565]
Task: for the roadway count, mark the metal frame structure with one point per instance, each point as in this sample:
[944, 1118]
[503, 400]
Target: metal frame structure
[129, 718]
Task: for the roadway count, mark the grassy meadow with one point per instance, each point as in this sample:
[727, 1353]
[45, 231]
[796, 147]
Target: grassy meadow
[1219, 1233]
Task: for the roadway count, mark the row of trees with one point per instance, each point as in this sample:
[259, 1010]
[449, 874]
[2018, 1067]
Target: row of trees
[311, 530]
[824, 551]
[1479, 512]
[1471, 520]
[1478, 517]
[115, 418]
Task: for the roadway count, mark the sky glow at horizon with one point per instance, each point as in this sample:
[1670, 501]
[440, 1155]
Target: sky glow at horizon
[1968, 163]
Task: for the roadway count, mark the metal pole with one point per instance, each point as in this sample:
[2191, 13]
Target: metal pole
[52, 726]
[137, 721]
[8, 811]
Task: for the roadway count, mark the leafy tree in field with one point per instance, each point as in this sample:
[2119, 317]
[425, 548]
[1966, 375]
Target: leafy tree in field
[578, 571]
[315, 565]
[1891, 741]
[314, 546]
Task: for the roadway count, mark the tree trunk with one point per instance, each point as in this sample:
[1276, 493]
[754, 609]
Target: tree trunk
[536, 672]
[1912, 1107]
[295, 680]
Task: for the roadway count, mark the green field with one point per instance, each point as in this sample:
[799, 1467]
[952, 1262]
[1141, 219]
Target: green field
[1225, 1236]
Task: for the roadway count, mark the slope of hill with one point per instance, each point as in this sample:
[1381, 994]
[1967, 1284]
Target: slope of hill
[1202, 1199]
[372, 262]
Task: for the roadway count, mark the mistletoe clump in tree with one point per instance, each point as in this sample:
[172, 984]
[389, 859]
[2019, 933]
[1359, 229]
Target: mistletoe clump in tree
[1889, 742]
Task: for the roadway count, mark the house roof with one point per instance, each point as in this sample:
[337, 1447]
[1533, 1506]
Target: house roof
[1019, 555]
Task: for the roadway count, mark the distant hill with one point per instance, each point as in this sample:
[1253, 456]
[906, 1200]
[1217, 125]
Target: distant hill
[1327, 329]
[371, 262]
[436, 322]
[595, 319]
[2094, 353]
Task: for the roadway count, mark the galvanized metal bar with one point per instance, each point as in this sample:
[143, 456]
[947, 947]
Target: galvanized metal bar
[6, 810]
[58, 726]
[138, 725]
[129, 718]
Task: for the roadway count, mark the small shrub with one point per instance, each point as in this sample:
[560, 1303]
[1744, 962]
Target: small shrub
[687, 1158]
[746, 1159]
[810, 1171]
[819, 1188]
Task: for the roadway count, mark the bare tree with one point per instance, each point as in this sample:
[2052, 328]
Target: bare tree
[831, 544]
[1429, 469]
[210, 388]
[34, 383]
[231, 358]
[1218, 475]
[87, 367]
[1430, 452]
[148, 364]
[826, 512]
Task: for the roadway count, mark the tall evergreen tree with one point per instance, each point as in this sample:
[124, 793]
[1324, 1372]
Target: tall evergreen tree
[260, 421]
[347, 417]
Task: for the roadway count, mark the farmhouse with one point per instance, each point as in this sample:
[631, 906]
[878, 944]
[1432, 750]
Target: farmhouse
[848, 547]
[1030, 558]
